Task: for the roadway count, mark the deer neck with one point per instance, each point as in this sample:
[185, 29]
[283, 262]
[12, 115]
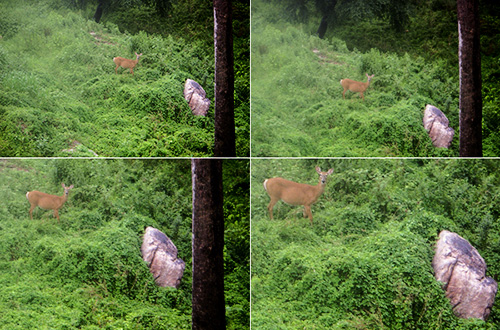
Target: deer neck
[320, 187]
[64, 197]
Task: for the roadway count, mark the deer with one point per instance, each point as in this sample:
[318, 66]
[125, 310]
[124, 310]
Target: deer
[126, 63]
[356, 86]
[294, 193]
[46, 201]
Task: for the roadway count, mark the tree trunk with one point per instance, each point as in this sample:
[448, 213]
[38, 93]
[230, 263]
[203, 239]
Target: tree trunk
[327, 8]
[469, 57]
[322, 27]
[208, 305]
[98, 12]
[225, 144]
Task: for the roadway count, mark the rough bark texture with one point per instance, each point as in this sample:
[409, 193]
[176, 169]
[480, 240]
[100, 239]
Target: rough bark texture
[196, 97]
[323, 25]
[436, 124]
[208, 304]
[461, 269]
[470, 79]
[161, 255]
[328, 10]
[99, 10]
[225, 144]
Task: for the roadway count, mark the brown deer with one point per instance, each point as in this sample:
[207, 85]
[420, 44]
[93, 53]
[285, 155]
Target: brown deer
[46, 201]
[356, 86]
[295, 193]
[126, 63]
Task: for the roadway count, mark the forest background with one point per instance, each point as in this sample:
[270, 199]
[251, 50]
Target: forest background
[86, 271]
[410, 46]
[60, 96]
[365, 263]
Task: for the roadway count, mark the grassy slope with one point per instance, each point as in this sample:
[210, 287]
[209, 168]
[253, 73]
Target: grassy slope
[366, 261]
[86, 271]
[58, 86]
[297, 105]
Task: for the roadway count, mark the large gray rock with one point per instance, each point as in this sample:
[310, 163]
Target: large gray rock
[461, 269]
[161, 255]
[436, 124]
[196, 97]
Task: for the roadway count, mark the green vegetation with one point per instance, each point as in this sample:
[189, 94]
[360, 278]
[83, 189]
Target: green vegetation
[86, 272]
[58, 88]
[366, 261]
[297, 105]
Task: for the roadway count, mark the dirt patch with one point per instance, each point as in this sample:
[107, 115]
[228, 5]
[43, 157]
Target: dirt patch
[7, 164]
[325, 58]
[100, 39]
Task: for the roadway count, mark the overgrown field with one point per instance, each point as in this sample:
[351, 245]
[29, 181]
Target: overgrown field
[60, 96]
[366, 261]
[297, 105]
[86, 271]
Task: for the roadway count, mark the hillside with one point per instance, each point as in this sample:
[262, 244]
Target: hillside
[366, 261]
[86, 271]
[297, 105]
[59, 90]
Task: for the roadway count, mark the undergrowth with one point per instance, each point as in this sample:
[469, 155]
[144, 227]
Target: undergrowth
[58, 88]
[365, 263]
[86, 271]
[297, 105]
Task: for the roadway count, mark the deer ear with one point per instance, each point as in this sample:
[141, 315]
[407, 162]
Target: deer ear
[71, 187]
[62, 184]
[318, 169]
[330, 171]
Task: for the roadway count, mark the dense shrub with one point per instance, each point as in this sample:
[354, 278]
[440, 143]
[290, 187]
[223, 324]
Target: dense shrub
[59, 88]
[366, 261]
[297, 108]
[86, 271]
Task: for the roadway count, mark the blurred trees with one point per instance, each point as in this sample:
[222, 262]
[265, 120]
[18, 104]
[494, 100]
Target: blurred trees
[334, 11]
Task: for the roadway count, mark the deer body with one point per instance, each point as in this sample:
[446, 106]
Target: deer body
[46, 201]
[126, 63]
[294, 193]
[356, 86]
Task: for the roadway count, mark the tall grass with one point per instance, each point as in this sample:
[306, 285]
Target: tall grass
[58, 86]
[365, 263]
[297, 105]
[86, 271]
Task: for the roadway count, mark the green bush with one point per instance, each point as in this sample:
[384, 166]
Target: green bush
[297, 110]
[58, 86]
[366, 260]
[86, 270]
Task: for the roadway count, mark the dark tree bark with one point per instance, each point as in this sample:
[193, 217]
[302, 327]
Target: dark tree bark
[99, 10]
[328, 10]
[208, 305]
[225, 144]
[322, 27]
[469, 57]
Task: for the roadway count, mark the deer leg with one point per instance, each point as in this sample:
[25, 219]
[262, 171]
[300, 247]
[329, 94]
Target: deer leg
[31, 211]
[116, 69]
[307, 209]
[343, 94]
[132, 71]
[271, 206]
[56, 215]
